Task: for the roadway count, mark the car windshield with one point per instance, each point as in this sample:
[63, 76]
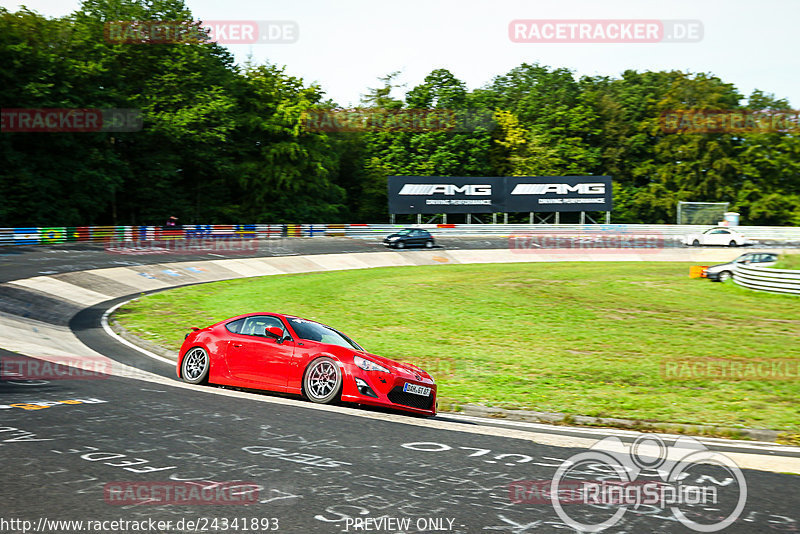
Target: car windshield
[324, 334]
[404, 232]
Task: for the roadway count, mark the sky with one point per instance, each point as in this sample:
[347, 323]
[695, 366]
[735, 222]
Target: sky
[346, 46]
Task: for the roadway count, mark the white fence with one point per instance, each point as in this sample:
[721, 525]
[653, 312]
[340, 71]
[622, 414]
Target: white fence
[766, 279]
[770, 235]
[780, 234]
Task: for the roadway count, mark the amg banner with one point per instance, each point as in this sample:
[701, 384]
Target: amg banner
[558, 193]
[447, 194]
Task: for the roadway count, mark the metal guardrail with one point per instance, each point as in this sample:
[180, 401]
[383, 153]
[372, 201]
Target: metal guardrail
[103, 234]
[674, 232]
[767, 279]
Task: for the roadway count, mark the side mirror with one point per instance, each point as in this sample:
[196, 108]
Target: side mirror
[274, 332]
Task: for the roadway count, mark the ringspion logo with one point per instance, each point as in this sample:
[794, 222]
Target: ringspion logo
[592, 490]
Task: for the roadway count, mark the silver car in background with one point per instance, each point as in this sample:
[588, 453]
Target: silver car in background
[724, 271]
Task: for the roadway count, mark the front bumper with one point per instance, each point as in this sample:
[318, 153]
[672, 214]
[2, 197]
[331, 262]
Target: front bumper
[386, 390]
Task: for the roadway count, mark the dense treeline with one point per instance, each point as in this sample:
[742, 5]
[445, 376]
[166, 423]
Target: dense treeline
[228, 143]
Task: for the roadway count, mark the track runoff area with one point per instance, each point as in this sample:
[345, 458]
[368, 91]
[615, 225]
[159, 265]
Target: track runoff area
[126, 447]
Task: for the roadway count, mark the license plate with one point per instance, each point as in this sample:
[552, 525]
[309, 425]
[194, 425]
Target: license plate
[416, 390]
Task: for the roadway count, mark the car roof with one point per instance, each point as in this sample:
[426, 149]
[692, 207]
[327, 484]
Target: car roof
[275, 314]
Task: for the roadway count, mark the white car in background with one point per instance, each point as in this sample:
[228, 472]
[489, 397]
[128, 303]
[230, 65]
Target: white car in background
[717, 236]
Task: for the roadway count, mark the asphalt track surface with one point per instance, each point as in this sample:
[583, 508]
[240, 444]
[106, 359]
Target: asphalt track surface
[312, 470]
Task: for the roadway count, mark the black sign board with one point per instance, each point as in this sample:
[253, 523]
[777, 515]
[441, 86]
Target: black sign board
[445, 194]
[448, 194]
[558, 193]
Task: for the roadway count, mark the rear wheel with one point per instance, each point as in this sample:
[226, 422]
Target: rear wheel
[725, 275]
[195, 365]
[428, 244]
[323, 381]
[732, 244]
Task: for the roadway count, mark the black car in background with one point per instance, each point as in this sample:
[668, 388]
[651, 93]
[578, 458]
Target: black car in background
[724, 271]
[410, 237]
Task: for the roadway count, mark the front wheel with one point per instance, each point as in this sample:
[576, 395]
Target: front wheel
[695, 243]
[323, 381]
[732, 244]
[725, 275]
[400, 244]
[195, 365]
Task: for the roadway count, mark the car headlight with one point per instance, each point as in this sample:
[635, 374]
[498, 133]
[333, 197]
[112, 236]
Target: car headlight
[395, 238]
[369, 365]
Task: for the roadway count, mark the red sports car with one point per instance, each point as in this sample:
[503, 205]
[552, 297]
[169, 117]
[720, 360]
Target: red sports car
[288, 354]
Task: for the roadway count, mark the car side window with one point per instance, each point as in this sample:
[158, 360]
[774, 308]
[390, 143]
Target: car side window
[256, 325]
[235, 327]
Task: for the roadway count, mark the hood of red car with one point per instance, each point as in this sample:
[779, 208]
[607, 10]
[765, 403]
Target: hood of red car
[402, 369]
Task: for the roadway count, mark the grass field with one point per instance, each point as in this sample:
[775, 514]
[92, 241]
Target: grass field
[577, 338]
[788, 261]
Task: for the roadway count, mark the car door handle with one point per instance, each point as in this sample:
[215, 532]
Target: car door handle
[237, 345]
